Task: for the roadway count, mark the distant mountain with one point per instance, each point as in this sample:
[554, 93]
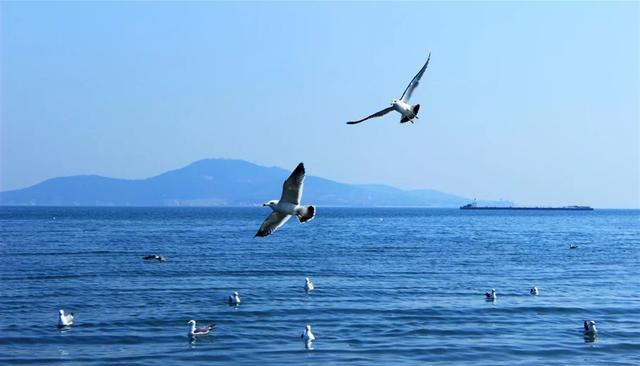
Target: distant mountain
[218, 182]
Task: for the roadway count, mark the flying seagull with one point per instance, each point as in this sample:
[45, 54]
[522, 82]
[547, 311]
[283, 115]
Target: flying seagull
[289, 204]
[402, 105]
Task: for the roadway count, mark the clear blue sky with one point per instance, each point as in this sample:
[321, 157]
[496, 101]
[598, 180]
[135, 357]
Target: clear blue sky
[533, 102]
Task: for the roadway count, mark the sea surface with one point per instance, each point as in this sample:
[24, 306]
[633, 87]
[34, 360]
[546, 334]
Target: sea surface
[401, 286]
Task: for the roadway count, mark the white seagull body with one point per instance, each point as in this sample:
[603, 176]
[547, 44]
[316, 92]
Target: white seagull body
[234, 299]
[288, 205]
[590, 328]
[307, 335]
[193, 331]
[491, 296]
[308, 284]
[402, 106]
[64, 320]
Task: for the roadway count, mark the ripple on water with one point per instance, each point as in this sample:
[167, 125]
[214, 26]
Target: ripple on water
[396, 291]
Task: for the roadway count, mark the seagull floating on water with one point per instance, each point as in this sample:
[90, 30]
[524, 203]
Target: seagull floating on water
[308, 284]
[590, 328]
[158, 258]
[573, 246]
[193, 331]
[492, 295]
[65, 320]
[402, 105]
[234, 299]
[534, 291]
[307, 335]
[289, 204]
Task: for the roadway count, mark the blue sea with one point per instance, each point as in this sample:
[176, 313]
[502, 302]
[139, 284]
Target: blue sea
[394, 286]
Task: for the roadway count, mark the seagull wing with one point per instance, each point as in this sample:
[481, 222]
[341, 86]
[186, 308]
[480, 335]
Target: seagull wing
[292, 187]
[272, 223]
[414, 82]
[377, 114]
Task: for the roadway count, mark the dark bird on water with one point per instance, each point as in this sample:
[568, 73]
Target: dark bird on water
[590, 328]
[490, 296]
[157, 258]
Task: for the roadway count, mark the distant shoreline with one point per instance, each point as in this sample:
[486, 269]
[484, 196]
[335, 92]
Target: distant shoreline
[536, 208]
[320, 206]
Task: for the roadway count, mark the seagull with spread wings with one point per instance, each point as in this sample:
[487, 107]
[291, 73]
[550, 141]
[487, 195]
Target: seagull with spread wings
[289, 204]
[402, 105]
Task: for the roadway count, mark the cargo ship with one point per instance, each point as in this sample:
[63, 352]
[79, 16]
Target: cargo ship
[474, 206]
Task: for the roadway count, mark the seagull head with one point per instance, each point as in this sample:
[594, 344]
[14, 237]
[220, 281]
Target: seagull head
[235, 293]
[269, 203]
[306, 279]
[61, 312]
[308, 328]
[394, 101]
[191, 322]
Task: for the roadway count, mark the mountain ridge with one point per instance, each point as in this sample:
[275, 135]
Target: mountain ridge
[218, 182]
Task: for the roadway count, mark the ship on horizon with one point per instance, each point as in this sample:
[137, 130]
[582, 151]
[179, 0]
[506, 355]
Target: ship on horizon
[474, 206]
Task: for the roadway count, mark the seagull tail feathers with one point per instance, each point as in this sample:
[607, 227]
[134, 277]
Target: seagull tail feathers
[306, 213]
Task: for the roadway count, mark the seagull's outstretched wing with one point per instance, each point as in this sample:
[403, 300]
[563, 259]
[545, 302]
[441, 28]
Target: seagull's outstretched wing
[272, 223]
[292, 187]
[377, 114]
[414, 82]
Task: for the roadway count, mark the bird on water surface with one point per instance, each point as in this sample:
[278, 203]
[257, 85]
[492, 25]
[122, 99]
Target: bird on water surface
[64, 320]
[590, 328]
[158, 258]
[492, 295]
[308, 337]
[308, 284]
[194, 331]
[234, 299]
